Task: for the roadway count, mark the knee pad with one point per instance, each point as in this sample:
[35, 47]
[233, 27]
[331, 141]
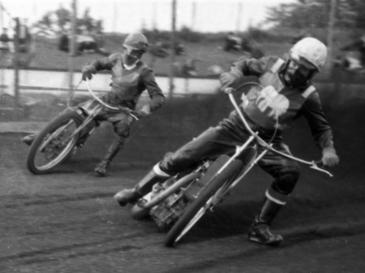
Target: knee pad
[165, 163]
[121, 140]
[121, 129]
[286, 182]
[173, 163]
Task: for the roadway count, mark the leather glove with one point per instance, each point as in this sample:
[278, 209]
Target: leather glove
[226, 79]
[329, 157]
[144, 111]
[87, 72]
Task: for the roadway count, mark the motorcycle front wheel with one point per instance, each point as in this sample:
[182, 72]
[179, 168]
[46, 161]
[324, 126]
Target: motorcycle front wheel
[203, 202]
[54, 143]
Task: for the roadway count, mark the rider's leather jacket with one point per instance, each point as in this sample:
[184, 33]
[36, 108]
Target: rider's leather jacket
[277, 104]
[127, 85]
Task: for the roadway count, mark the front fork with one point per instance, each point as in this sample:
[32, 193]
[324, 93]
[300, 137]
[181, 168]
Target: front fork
[88, 115]
[88, 112]
[249, 163]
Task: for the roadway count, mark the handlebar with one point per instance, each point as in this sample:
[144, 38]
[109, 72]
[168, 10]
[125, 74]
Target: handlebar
[312, 164]
[120, 108]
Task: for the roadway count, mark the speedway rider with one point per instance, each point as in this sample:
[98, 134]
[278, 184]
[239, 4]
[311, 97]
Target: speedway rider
[130, 77]
[288, 93]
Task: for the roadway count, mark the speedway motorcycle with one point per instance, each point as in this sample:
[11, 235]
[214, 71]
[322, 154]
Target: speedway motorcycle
[67, 133]
[178, 203]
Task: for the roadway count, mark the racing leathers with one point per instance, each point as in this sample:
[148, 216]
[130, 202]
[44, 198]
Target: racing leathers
[127, 85]
[268, 111]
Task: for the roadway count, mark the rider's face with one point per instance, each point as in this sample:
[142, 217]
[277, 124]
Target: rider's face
[132, 55]
[299, 71]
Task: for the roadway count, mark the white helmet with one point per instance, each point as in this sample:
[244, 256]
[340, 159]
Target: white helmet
[312, 50]
[136, 41]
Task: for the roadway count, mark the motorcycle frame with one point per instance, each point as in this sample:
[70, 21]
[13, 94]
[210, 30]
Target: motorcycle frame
[266, 147]
[257, 141]
[91, 113]
[253, 140]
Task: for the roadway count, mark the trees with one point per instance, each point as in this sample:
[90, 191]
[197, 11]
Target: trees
[314, 13]
[59, 20]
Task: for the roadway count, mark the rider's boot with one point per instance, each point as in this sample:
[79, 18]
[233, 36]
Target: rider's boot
[131, 195]
[260, 228]
[28, 139]
[101, 168]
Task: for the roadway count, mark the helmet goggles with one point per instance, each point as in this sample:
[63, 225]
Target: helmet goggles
[300, 66]
[133, 52]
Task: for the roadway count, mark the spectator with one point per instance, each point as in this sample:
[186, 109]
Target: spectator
[25, 38]
[159, 50]
[232, 42]
[179, 48]
[63, 42]
[189, 68]
[4, 40]
[359, 46]
[215, 70]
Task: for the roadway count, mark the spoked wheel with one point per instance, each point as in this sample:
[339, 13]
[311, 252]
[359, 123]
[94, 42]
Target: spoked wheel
[54, 143]
[208, 197]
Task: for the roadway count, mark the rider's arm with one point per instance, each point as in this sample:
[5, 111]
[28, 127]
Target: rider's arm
[154, 91]
[320, 128]
[106, 63]
[246, 67]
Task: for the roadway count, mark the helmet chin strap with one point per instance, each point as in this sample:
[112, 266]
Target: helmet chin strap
[285, 75]
[130, 67]
[295, 79]
[127, 65]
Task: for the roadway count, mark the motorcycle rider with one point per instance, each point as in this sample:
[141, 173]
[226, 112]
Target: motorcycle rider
[130, 77]
[289, 93]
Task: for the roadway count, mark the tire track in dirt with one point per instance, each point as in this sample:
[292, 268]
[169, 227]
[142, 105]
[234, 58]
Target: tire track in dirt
[72, 247]
[321, 232]
[51, 199]
[293, 238]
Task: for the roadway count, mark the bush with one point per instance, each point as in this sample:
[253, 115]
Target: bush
[188, 35]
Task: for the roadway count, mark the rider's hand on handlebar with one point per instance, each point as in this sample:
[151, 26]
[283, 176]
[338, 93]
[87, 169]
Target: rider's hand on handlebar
[87, 72]
[329, 157]
[228, 90]
[226, 79]
[144, 111]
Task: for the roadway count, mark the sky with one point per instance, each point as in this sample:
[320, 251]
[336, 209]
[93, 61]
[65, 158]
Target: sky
[131, 15]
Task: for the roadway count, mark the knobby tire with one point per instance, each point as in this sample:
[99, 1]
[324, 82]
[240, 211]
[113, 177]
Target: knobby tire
[56, 123]
[213, 185]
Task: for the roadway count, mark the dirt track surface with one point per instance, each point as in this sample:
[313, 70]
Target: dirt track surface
[68, 222]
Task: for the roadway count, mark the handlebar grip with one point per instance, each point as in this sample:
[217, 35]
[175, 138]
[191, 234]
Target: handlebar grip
[133, 115]
[319, 166]
[319, 163]
[228, 90]
[316, 165]
[129, 112]
[126, 110]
